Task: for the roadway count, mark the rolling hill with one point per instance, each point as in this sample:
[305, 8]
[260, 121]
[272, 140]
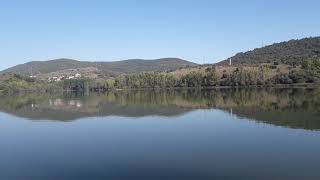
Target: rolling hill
[110, 68]
[289, 52]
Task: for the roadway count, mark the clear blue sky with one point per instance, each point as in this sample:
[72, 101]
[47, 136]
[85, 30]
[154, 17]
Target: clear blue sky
[125, 29]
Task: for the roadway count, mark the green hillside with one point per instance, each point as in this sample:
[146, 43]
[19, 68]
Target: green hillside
[292, 52]
[115, 67]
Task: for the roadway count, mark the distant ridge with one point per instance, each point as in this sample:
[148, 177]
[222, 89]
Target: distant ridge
[114, 67]
[289, 52]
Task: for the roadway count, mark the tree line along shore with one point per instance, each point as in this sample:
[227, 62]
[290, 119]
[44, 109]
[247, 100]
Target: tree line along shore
[205, 76]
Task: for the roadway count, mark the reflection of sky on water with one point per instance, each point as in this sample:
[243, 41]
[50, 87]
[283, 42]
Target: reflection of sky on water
[204, 143]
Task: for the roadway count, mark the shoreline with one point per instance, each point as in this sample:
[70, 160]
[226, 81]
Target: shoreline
[300, 85]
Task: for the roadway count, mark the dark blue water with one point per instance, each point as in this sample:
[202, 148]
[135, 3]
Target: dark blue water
[199, 141]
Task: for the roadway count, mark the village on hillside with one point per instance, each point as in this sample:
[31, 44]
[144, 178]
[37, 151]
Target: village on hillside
[60, 78]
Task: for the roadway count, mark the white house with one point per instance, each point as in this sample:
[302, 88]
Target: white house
[77, 75]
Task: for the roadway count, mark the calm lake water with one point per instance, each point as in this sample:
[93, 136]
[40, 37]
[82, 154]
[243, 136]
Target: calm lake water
[180, 134]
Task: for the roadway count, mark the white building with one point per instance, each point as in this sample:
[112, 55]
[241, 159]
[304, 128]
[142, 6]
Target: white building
[77, 75]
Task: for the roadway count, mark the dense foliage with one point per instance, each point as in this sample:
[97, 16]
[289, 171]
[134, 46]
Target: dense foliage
[309, 73]
[167, 80]
[246, 77]
[16, 83]
[86, 85]
[292, 52]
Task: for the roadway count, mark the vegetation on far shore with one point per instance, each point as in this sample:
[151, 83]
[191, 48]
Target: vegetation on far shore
[208, 76]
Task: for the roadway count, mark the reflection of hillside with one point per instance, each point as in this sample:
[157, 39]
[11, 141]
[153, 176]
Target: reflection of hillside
[65, 107]
[292, 119]
[296, 108]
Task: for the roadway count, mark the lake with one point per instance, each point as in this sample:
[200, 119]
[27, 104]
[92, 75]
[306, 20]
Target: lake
[162, 134]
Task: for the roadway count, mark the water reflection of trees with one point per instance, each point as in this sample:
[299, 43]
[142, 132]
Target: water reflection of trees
[296, 108]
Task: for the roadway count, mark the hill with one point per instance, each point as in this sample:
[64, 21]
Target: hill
[292, 52]
[109, 68]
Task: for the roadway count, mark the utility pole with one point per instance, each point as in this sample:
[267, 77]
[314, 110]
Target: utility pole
[230, 61]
